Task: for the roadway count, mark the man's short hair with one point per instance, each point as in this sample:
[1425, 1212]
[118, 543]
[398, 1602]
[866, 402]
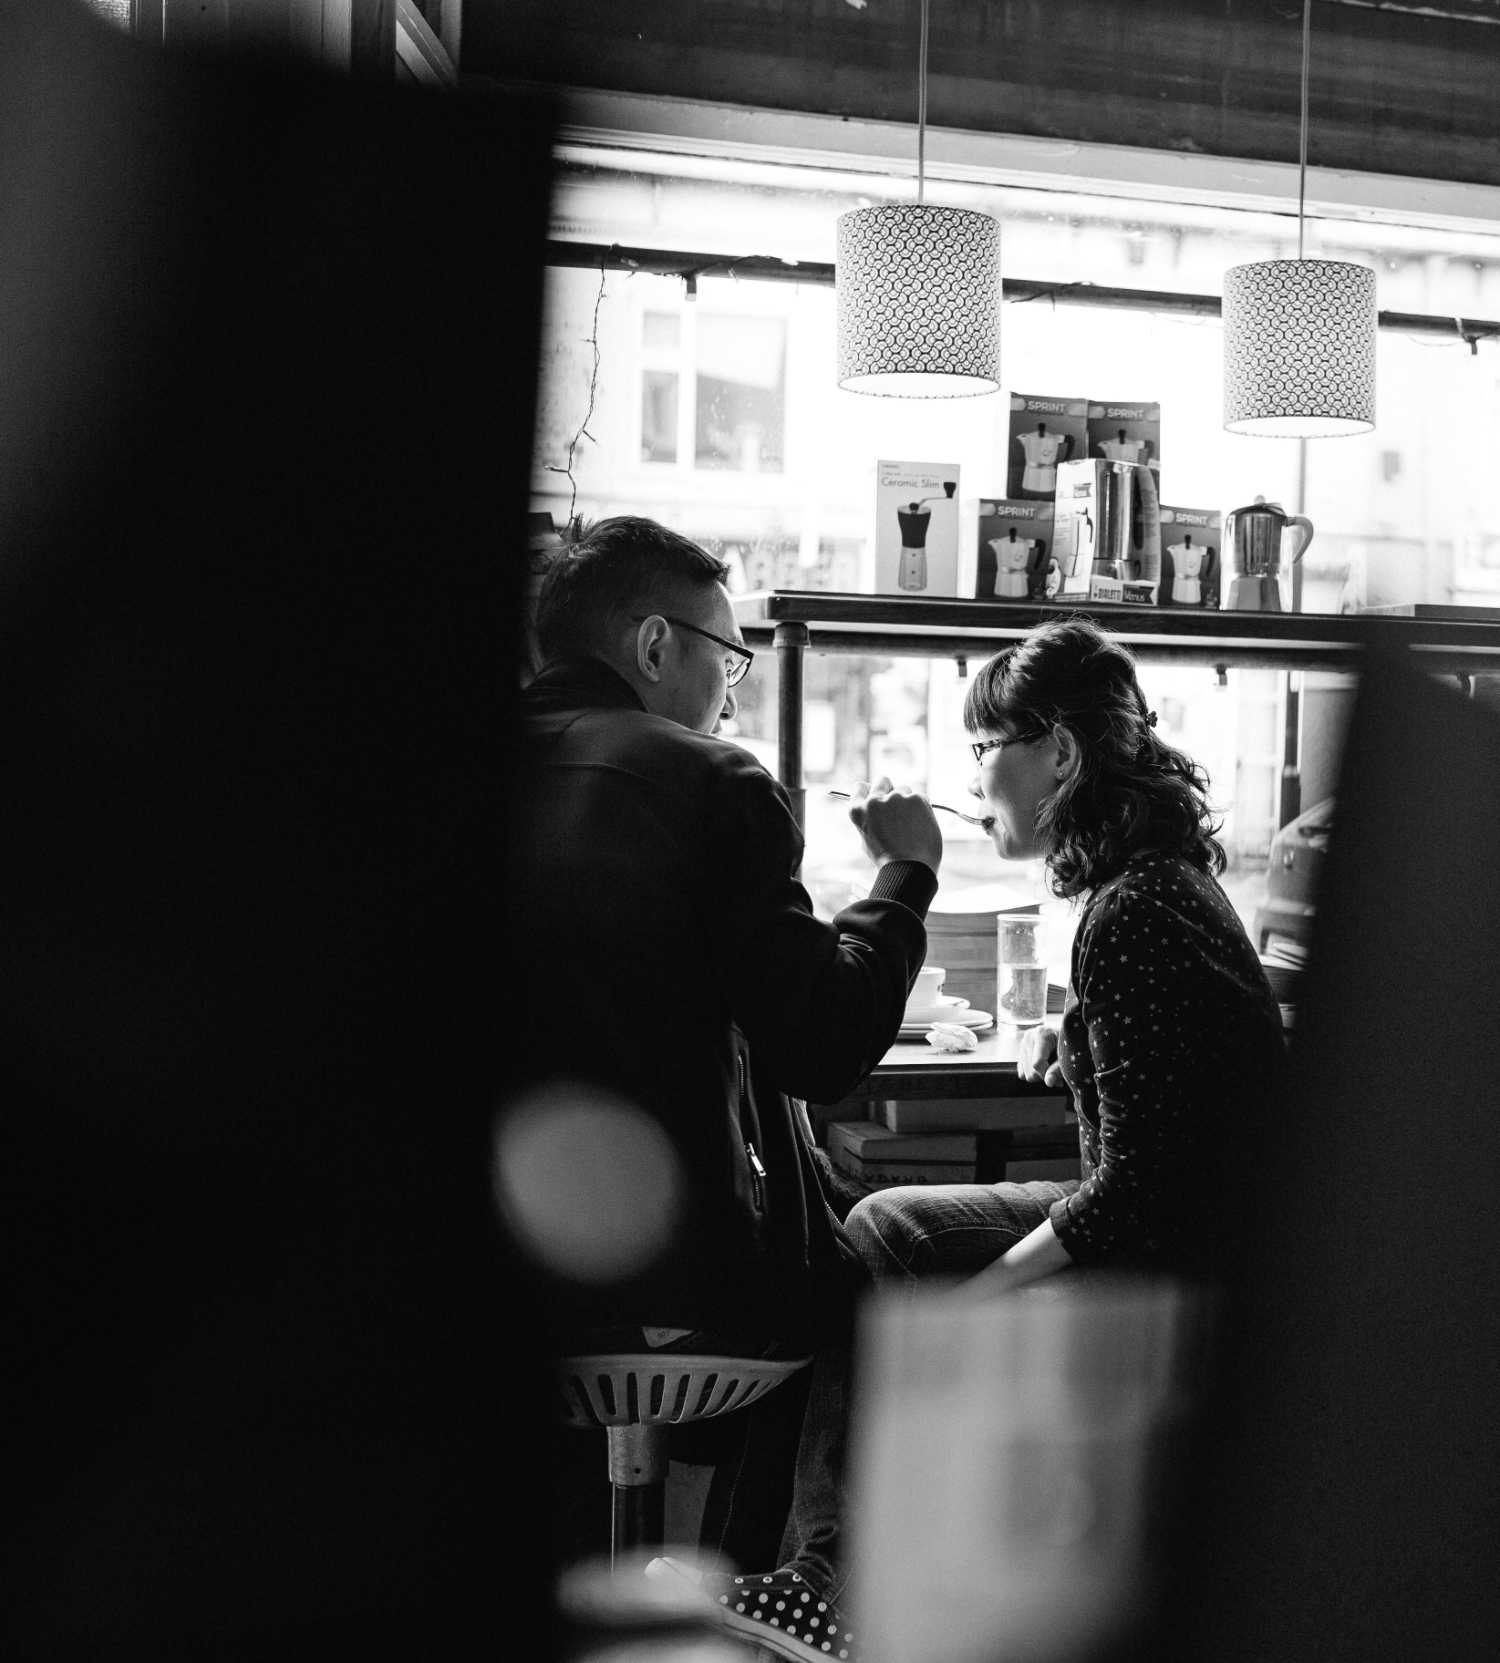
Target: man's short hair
[616, 569]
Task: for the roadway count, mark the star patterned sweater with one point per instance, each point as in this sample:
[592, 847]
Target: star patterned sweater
[1170, 1036]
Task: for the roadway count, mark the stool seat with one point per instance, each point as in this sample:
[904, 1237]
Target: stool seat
[635, 1397]
[658, 1389]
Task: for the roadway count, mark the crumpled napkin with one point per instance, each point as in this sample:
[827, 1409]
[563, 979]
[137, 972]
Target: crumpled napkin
[951, 1036]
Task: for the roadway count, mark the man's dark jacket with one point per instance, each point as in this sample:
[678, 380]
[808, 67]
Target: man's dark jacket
[680, 964]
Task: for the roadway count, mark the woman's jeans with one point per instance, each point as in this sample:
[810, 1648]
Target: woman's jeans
[917, 1233]
[905, 1235]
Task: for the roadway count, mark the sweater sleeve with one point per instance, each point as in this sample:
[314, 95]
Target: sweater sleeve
[820, 1001]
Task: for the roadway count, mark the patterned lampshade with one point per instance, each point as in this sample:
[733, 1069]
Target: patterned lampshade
[1299, 348]
[918, 301]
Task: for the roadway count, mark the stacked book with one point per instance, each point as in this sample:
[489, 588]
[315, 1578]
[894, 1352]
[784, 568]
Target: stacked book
[961, 937]
[966, 1141]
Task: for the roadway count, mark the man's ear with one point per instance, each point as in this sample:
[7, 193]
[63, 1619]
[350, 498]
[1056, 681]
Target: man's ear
[650, 647]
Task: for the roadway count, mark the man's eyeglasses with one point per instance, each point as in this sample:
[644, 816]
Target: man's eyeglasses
[736, 667]
[982, 747]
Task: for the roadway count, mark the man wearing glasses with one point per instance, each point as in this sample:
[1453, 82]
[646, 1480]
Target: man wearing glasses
[677, 967]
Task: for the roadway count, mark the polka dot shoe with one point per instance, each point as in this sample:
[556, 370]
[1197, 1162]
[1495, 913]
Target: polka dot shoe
[777, 1611]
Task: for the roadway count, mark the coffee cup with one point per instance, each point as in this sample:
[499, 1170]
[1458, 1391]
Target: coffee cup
[925, 990]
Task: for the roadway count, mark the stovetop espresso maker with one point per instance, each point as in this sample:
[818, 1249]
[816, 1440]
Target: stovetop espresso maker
[1252, 540]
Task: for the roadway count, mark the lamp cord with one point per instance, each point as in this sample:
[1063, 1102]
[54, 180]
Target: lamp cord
[922, 107]
[1302, 139]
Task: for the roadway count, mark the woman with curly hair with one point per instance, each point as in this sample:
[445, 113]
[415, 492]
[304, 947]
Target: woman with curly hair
[1170, 1037]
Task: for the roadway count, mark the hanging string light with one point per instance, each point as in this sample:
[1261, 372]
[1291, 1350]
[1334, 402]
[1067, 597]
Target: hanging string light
[918, 290]
[1299, 335]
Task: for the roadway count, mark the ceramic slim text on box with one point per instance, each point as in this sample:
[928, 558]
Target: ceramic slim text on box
[916, 528]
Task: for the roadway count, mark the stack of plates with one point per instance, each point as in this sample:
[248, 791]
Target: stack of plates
[915, 1023]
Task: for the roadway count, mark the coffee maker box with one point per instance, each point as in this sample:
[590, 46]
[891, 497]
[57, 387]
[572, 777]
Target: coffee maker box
[1107, 533]
[1014, 550]
[916, 528]
[1121, 432]
[1191, 541]
[1044, 432]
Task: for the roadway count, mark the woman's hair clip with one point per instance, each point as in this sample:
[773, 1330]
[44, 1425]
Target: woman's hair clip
[1150, 718]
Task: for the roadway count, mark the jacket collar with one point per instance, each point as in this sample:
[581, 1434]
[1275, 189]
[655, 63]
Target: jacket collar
[568, 682]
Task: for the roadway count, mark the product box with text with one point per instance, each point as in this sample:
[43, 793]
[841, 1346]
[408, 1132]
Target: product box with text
[916, 528]
[1190, 545]
[1015, 550]
[1122, 432]
[1107, 532]
[1044, 431]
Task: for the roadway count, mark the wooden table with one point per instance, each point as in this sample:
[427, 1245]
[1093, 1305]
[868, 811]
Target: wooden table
[1028, 1126]
[913, 1069]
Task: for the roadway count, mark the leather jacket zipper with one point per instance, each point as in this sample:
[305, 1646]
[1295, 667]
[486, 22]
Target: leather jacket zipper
[747, 1113]
[758, 1174]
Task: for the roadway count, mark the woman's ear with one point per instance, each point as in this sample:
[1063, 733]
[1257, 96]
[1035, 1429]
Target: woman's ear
[1067, 750]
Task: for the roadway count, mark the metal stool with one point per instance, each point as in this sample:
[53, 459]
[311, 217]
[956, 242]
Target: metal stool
[635, 1397]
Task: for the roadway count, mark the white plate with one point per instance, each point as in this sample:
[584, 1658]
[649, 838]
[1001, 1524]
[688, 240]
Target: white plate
[964, 1018]
[940, 1011]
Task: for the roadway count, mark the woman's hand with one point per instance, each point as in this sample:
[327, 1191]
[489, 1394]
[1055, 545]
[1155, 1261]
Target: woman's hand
[1040, 1253]
[1038, 1060]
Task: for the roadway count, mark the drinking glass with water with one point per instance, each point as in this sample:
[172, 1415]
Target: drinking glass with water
[1021, 987]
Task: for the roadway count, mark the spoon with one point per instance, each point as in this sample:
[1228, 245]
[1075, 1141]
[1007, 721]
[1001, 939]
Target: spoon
[973, 819]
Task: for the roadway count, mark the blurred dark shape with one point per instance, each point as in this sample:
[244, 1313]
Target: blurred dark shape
[542, 545]
[1288, 912]
[269, 345]
[1345, 1500]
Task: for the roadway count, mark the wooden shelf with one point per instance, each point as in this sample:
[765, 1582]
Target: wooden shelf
[895, 626]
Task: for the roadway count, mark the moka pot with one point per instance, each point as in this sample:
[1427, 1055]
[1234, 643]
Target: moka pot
[1252, 539]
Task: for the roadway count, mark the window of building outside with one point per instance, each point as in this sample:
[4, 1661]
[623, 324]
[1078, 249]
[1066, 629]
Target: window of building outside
[717, 412]
[117, 12]
[713, 387]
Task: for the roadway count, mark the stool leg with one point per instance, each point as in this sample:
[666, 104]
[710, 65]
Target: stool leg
[639, 1519]
[638, 1487]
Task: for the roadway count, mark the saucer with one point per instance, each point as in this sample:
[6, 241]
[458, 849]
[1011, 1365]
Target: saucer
[941, 1010]
[963, 1017]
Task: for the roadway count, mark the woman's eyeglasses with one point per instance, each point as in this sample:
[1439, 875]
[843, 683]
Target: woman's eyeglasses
[982, 747]
[736, 667]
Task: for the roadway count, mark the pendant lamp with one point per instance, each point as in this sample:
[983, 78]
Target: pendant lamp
[1299, 335]
[918, 291]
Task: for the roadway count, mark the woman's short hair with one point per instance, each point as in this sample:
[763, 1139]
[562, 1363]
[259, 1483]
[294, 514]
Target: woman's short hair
[1129, 791]
[606, 572]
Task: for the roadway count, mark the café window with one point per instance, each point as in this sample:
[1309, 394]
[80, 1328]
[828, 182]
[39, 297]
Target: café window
[713, 390]
[719, 415]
